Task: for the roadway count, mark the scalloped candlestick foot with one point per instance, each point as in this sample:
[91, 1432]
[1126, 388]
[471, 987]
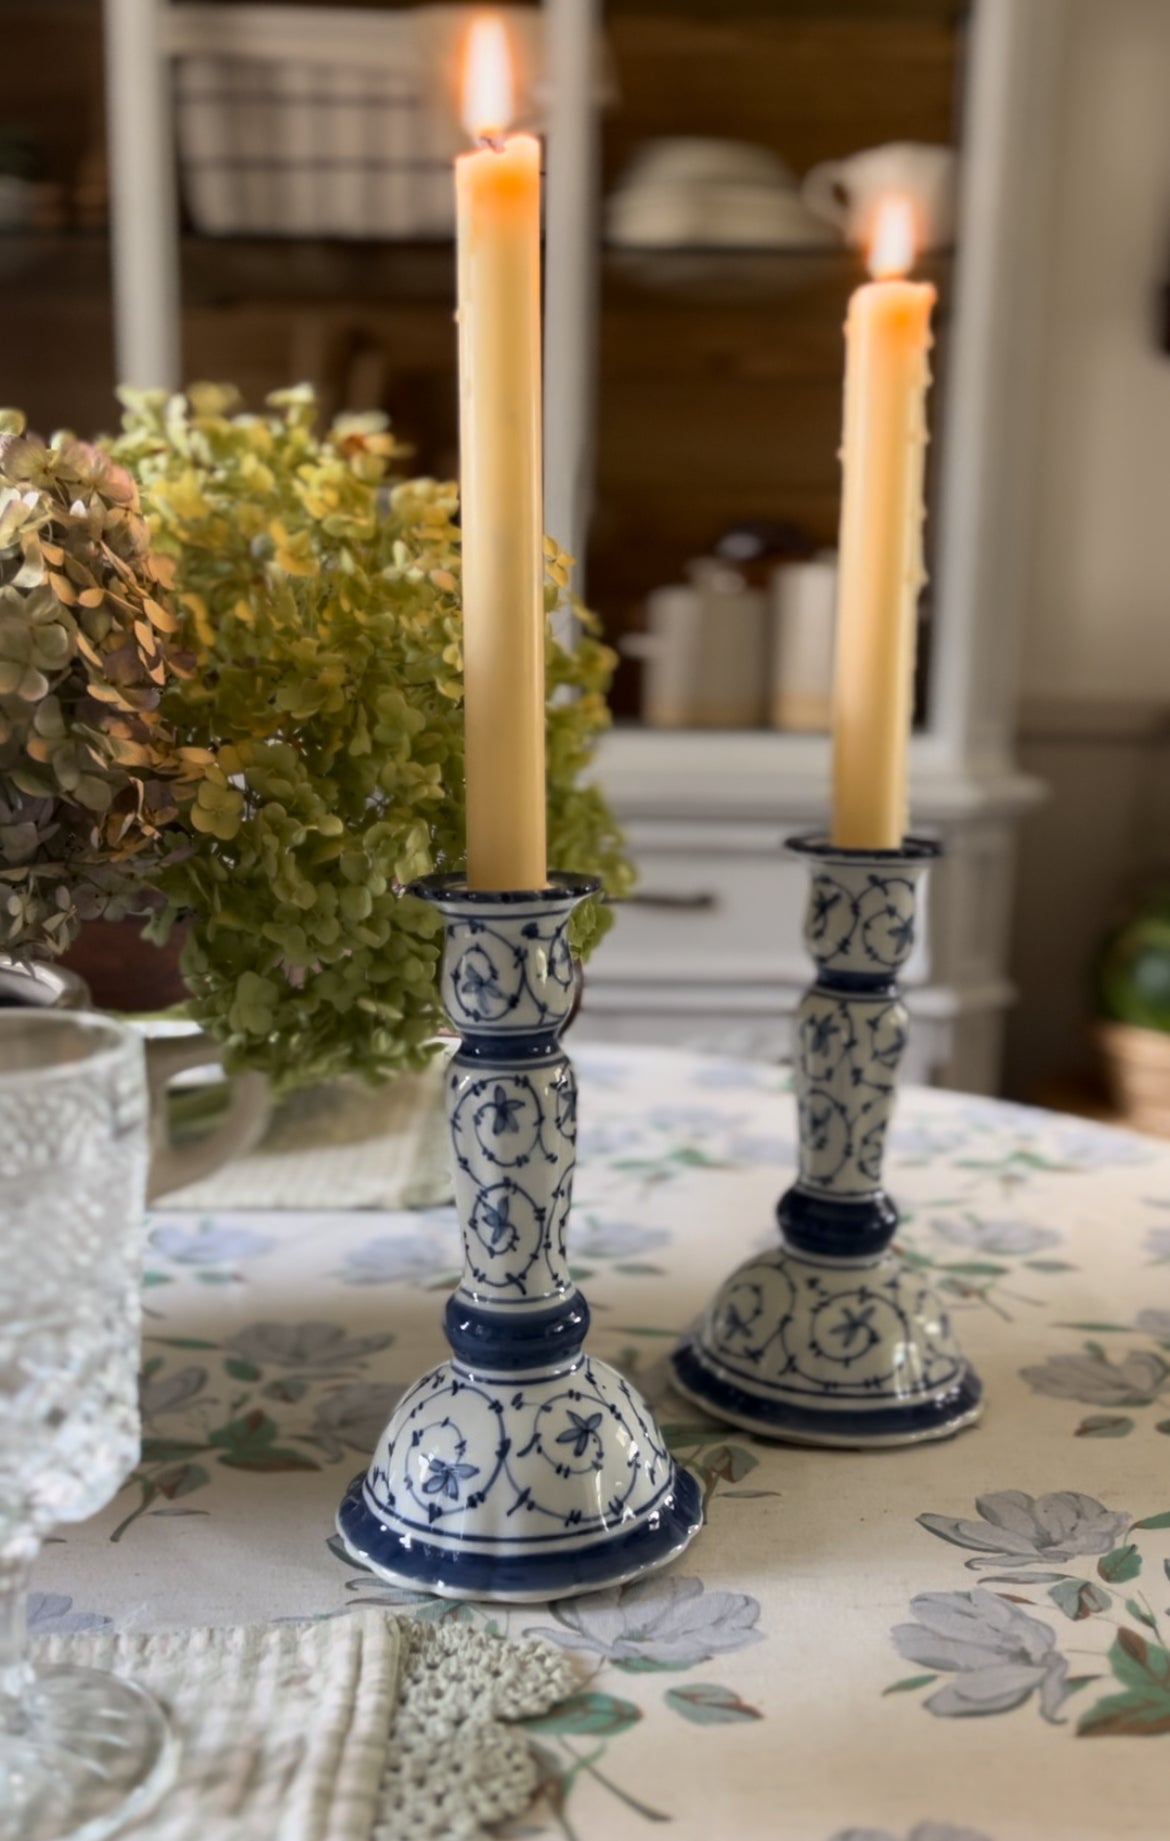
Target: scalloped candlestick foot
[832, 1338]
[522, 1468]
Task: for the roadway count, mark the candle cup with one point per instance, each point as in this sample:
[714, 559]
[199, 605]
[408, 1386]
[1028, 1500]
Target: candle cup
[522, 1468]
[832, 1338]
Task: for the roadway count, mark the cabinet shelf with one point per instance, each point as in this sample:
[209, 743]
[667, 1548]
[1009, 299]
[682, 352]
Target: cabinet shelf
[223, 271]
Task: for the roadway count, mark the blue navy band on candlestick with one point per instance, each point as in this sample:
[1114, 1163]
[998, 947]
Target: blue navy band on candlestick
[477, 1572]
[508, 1337]
[838, 1229]
[915, 1421]
[818, 845]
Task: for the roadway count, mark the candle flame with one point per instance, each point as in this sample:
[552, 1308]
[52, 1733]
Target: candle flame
[891, 251]
[487, 80]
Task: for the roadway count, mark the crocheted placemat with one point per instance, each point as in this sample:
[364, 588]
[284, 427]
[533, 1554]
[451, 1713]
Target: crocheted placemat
[345, 1729]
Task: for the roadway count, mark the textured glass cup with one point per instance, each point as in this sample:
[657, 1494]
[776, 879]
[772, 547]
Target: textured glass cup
[80, 1751]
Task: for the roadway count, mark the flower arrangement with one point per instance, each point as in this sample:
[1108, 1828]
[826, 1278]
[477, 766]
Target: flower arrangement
[321, 605]
[91, 772]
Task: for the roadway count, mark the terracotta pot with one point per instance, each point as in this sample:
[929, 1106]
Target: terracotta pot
[125, 972]
[1137, 1065]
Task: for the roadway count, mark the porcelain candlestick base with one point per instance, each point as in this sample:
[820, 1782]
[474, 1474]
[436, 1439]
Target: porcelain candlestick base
[832, 1338]
[523, 1468]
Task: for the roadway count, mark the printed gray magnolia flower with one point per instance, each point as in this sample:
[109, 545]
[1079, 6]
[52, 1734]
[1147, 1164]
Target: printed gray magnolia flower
[927, 1138]
[399, 1259]
[167, 1393]
[1012, 1237]
[608, 1139]
[209, 1243]
[1097, 1147]
[762, 1147]
[660, 1623]
[601, 1239]
[997, 1654]
[597, 1071]
[921, 1831]
[321, 1346]
[49, 1612]
[1022, 1529]
[1157, 1243]
[735, 1074]
[691, 1118]
[1136, 1380]
[351, 1418]
[1155, 1323]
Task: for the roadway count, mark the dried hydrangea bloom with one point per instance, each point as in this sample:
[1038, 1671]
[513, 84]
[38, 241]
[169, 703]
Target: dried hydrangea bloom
[91, 774]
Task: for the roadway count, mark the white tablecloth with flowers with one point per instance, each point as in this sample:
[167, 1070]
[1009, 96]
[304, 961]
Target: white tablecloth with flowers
[960, 1642]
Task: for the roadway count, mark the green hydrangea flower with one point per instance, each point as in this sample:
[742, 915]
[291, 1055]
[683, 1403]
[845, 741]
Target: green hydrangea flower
[321, 600]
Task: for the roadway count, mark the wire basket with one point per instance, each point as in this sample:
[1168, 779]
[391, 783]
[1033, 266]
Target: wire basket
[314, 122]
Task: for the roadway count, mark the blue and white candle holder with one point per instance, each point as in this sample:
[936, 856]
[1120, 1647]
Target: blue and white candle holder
[831, 1338]
[523, 1468]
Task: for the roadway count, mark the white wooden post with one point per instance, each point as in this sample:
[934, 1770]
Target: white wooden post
[571, 277]
[143, 202]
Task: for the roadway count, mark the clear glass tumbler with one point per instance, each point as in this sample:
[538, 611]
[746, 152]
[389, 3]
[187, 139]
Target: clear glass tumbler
[81, 1752]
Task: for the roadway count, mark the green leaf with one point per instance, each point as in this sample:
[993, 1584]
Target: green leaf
[1155, 1521]
[1105, 1425]
[1140, 1613]
[975, 1268]
[634, 1268]
[249, 1443]
[183, 1342]
[601, 1716]
[1118, 1567]
[181, 1481]
[642, 1665]
[1093, 1326]
[706, 1704]
[909, 1683]
[249, 1431]
[698, 1433]
[1049, 1265]
[272, 1457]
[730, 1462]
[287, 1391]
[241, 1370]
[1143, 1709]
[1163, 1425]
[150, 1279]
[169, 1450]
[1079, 1598]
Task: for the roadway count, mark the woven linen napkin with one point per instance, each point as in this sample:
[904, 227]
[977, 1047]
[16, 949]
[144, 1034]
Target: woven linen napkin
[336, 1729]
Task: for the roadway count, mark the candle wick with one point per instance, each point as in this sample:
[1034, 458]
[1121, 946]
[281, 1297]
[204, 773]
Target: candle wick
[494, 140]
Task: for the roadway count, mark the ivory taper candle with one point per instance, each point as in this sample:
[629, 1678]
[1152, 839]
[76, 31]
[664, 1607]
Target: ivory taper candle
[887, 336]
[498, 215]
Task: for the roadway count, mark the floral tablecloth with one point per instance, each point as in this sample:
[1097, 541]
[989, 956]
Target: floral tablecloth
[960, 1642]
